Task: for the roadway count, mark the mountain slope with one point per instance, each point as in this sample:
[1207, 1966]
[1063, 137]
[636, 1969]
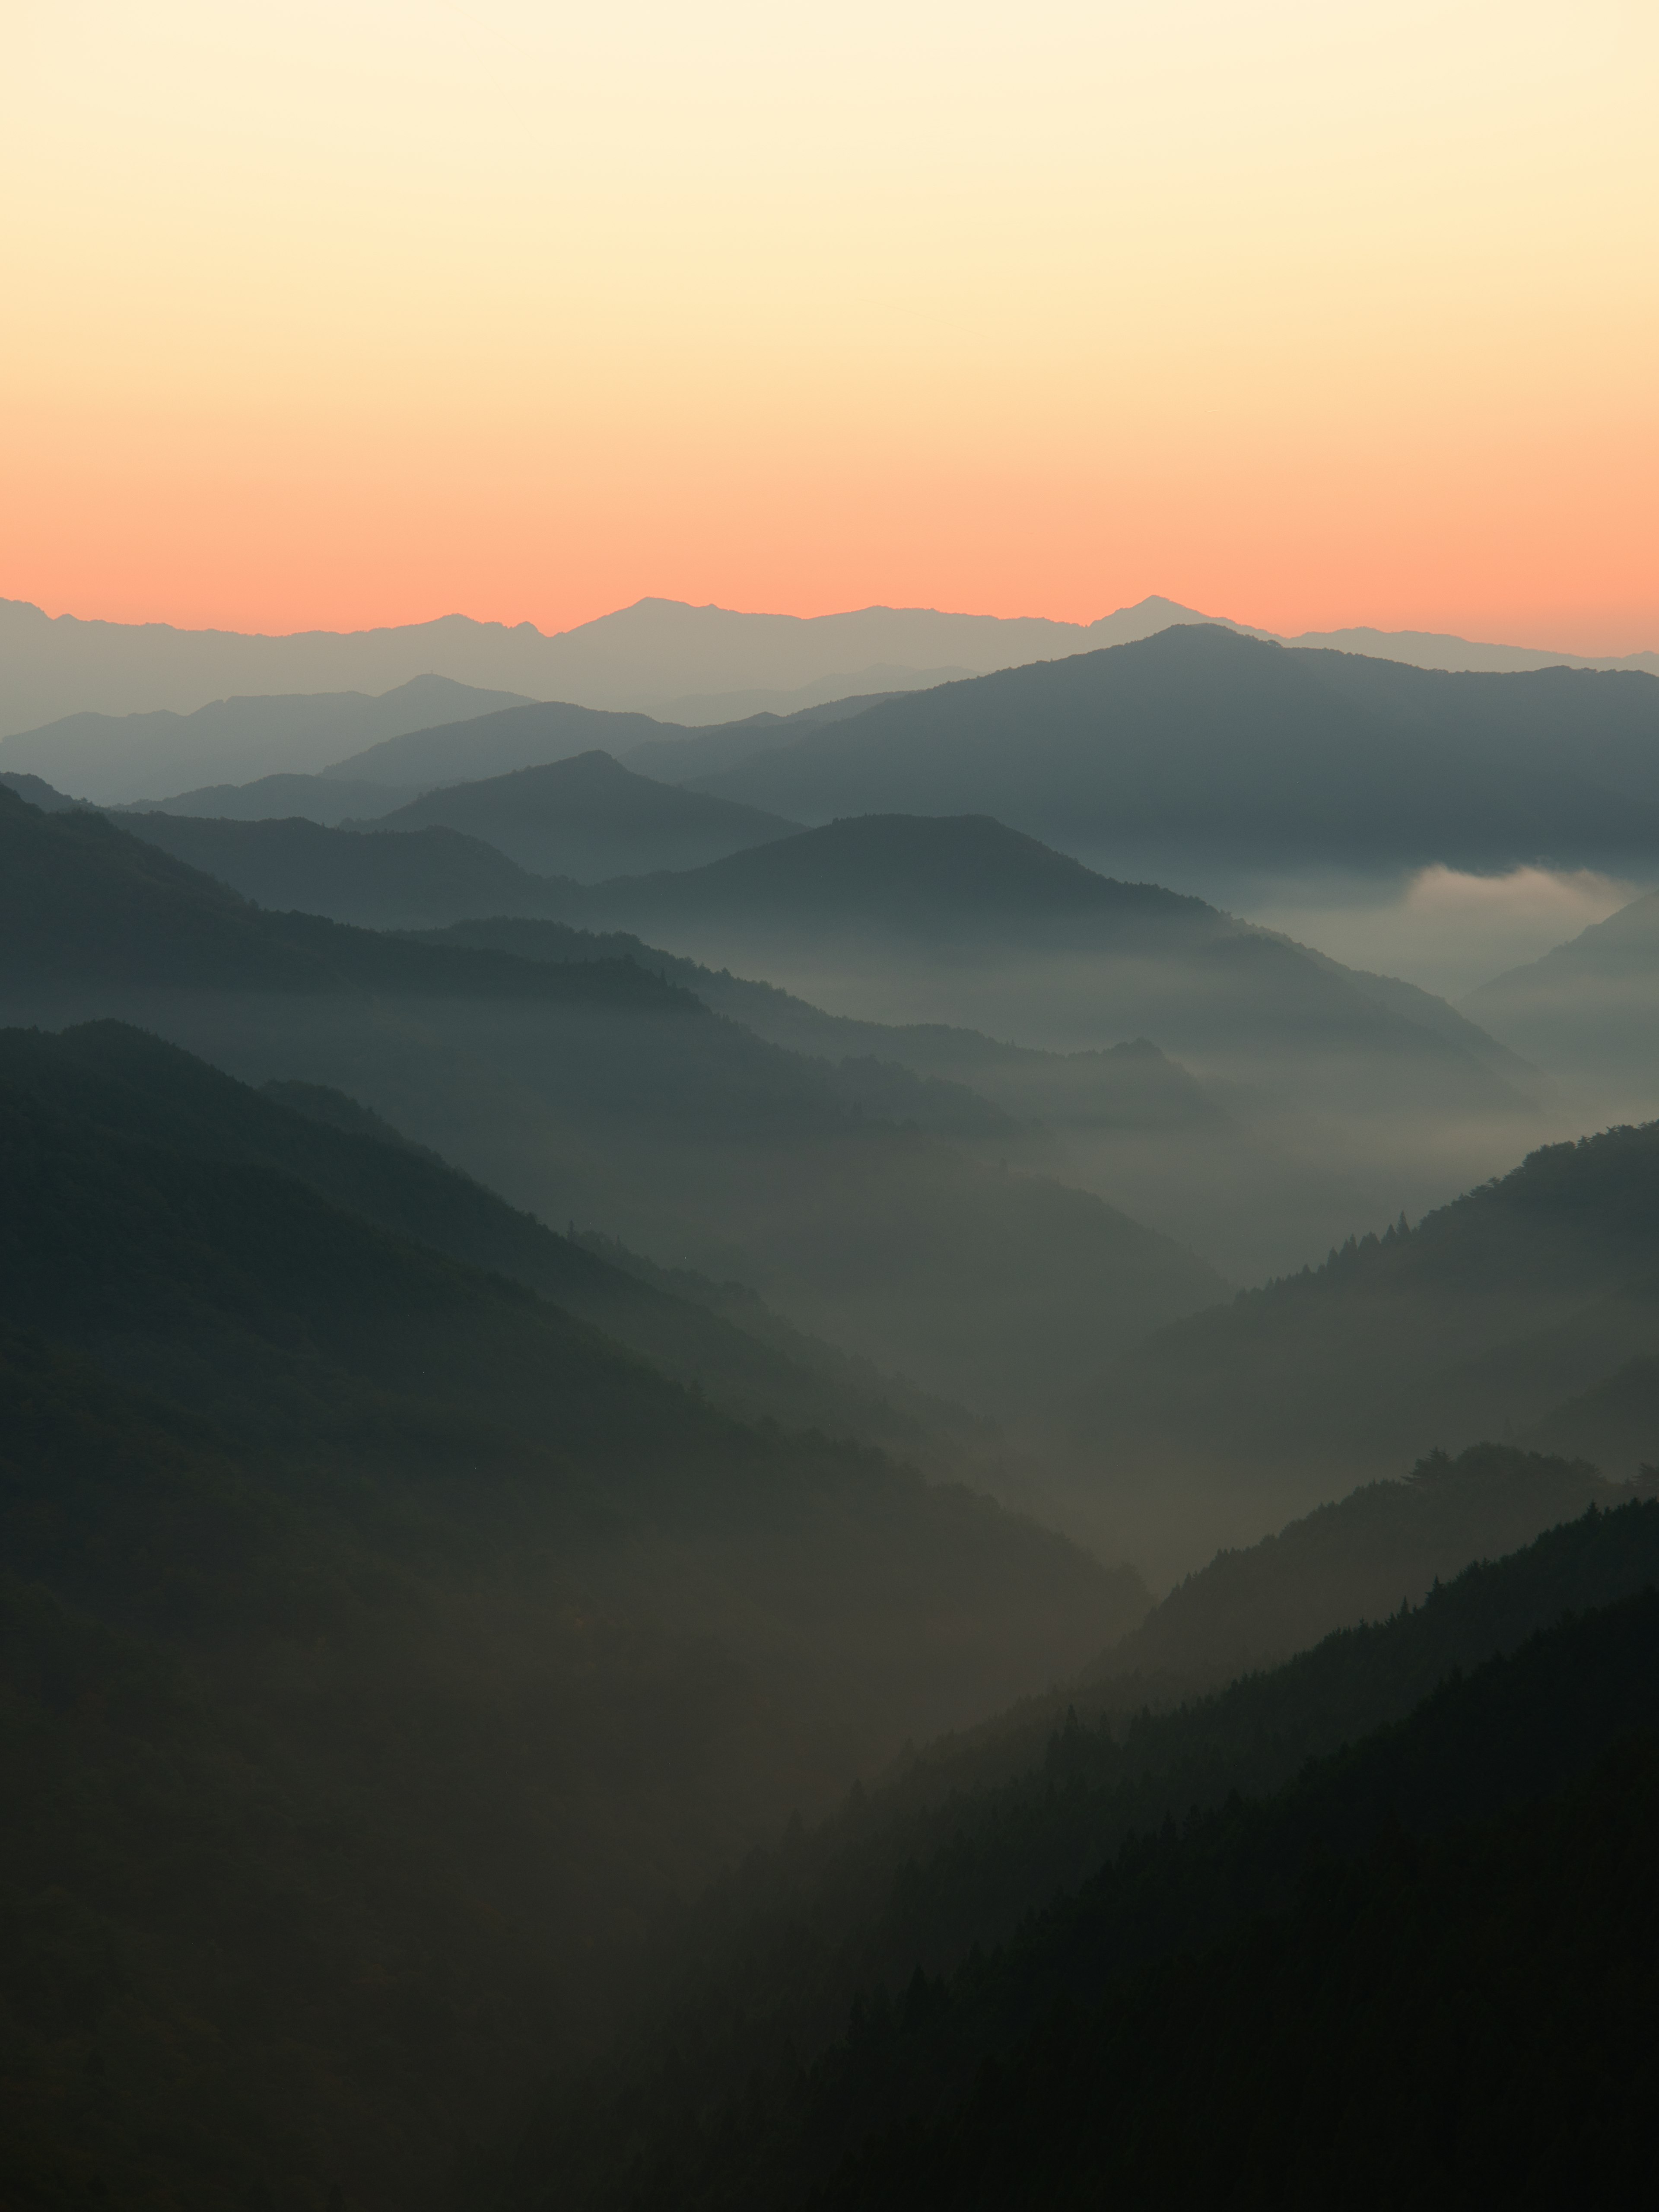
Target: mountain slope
[639, 657]
[598, 1091]
[120, 756]
[589, 817]
[473, 748]
[379, 1647]
[431, 876]
[1199, 739]
[961, 1853]
[649, 656]
[1477, 1322]
[983, 910]
[354, 1159]
[1586, 1011]
[328, 799]
[1125, 1086]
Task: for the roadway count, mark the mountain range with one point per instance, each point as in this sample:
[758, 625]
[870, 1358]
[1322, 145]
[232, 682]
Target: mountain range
[588, 818]
[1200, 742]
[597, 1089]
[660, 656]
[125, 756]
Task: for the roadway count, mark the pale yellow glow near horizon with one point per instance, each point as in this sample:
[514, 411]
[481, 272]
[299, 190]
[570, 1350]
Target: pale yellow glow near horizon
[364, 314]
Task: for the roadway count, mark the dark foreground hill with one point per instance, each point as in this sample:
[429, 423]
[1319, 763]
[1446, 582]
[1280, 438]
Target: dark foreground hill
[589, 817]
[1479, 1320]
[1200, 740]
[994, 1896]
[381, 1648]
[596, 1091]
[747, 1360]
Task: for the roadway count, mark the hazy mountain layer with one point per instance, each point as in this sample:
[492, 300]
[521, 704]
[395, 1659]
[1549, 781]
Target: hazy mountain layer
[589, 817]
[430, 876]
[1589, 1010]
[326, 799]
[745, 1358]
[966, 911]
[659, 655]
[382, 1647]
[678, 758]
[1359, 1558]
[1132, 1085]
[1200, 740]
[128, 755]
[599, 1093]
[1477, 1323]
[639, 658]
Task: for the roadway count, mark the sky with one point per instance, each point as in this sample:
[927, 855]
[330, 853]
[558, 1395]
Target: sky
[335, 315]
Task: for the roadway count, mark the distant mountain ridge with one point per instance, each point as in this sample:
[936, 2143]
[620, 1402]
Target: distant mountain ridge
[1201, 740]
[119, 758]
[658, 655]
[588, 818]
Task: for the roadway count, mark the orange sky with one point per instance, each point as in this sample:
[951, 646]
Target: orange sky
[356, 313]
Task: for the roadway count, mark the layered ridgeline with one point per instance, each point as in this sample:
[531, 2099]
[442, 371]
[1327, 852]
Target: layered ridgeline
[1045, 1892]
[384, 1646]
[1534, 1300]
[698, 664]
[598, 1092]
[704, 1335]
[427, 878]
[590, 817]
[1133, 1085]
[1202, 742]
[114, 757]
[916, 918]
[1353, 1094]
[509, 845]
[1589, 1010]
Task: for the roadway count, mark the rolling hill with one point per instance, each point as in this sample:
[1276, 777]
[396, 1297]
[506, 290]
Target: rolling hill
[1200, 740]
[588, 818]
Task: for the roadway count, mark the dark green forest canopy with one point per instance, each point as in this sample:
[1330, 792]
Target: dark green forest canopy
[956, 1853]
[1299, 1880]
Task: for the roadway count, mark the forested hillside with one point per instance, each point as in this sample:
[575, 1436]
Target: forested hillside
[1477, 1322]
[953, 1916]
[384, 1648]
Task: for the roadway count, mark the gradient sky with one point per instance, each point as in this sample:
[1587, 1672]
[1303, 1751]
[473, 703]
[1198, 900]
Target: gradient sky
[360, 313]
